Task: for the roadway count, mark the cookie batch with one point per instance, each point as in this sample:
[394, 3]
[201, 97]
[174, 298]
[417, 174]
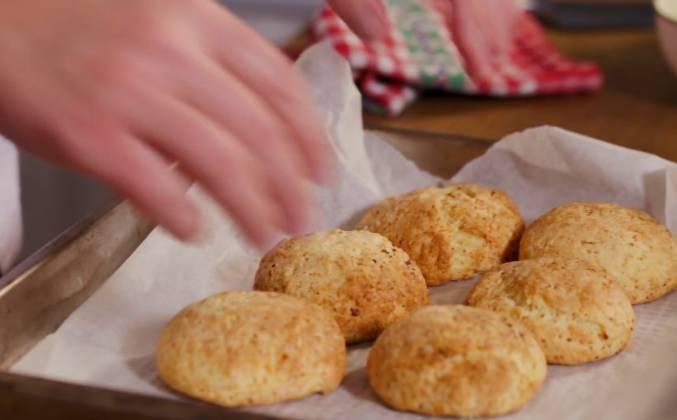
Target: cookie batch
[558, 292]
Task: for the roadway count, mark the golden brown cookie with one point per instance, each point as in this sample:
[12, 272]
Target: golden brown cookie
[452, 233]
[637, 251]
[575, 310]
[456, 360]
[359, 276]
[239, 348]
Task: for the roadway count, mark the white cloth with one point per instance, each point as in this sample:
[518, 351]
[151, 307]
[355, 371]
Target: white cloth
[11, 229]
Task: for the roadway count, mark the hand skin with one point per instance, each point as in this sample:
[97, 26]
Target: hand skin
[483, 31]
[120, 90]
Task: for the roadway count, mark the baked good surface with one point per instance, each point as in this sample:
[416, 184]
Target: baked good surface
[456, 360]
[575, 310]
[359, 276]
[452, 233]
[637, 251]
[240, 348]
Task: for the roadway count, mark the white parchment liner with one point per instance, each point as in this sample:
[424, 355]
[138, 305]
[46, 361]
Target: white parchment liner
[110, 340]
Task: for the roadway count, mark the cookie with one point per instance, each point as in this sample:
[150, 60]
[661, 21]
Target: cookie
[240, 348]
[456, 360]
[637, 251]
[575, 310]
[360, 277]
[452, 233]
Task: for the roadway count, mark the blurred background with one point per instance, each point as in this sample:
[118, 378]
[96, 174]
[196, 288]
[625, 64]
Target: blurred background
[618, 34]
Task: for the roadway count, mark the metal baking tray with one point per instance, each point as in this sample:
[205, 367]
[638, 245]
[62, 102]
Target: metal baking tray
[42, 291]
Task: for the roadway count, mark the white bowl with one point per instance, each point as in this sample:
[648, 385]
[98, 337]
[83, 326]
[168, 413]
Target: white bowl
[666, 23]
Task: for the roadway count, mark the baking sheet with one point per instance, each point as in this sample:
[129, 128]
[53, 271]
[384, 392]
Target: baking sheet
[109, 341]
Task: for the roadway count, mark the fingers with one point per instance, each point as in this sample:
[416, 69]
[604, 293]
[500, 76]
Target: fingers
[186, 83]
[472, 40]
[496, 23]
[219, 162]
[160, 194]
[491, 25]
[137, 172]
[367, 18]
[250, 120]
[226, 137]
[265, 72]
[509, 11]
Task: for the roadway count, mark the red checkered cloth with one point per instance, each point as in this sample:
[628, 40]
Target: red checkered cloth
[419, 53]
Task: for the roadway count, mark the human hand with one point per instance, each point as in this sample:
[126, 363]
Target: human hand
[483, 30]
[122, 89]
[367, 18]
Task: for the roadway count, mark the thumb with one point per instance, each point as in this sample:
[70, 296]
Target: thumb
[367, 18]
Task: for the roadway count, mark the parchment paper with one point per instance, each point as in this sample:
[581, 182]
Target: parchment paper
[110, 340]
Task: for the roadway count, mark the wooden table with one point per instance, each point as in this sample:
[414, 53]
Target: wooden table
[637, 107]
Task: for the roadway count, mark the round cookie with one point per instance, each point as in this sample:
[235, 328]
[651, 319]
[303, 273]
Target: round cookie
[637, 251]
[452, 233]
[574, 309]
[239, 348]
[359, 276]
[456, 360]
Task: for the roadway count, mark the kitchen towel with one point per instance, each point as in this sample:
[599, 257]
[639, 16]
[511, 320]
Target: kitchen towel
[419, 53]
